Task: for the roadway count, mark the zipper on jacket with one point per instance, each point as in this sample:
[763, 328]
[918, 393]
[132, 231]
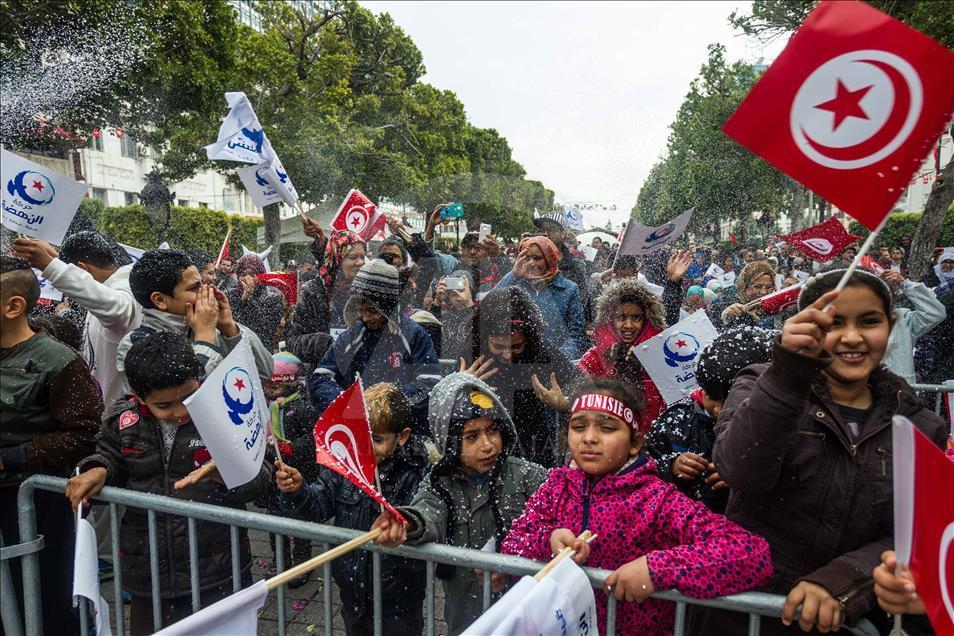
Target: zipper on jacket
[587, 490]
[817, 434]
[884, 461]
[854, 591]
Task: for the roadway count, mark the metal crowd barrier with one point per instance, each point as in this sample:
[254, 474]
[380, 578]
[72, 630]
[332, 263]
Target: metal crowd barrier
[939, 390]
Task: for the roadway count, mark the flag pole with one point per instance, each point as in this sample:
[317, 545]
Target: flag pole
[218, 259]
[321, 559]
[863, 250]
[562, 554]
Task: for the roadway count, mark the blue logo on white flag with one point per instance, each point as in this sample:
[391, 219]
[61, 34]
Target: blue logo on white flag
[259, 179]
[33, 187]
[238, 393]
[680, 347]
[660, 233]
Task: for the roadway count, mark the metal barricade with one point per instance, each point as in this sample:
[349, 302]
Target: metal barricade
[755, 604]
[939, 390]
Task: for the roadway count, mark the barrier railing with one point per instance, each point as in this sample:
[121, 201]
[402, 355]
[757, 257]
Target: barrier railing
[755, 604]
[939, 390]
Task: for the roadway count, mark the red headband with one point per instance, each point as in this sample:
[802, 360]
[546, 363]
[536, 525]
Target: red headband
[605, 404]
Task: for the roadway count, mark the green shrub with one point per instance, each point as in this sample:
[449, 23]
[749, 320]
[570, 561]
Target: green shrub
[907, 223]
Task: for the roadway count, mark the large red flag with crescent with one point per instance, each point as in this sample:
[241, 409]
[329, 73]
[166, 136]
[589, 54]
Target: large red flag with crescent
[358, 214]
[343, 443]
[924, 519]
[851, 107]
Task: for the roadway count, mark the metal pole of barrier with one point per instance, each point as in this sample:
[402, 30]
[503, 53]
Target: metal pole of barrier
[755, 624]
[376, 578]
[236, 566]
[429, 599]
[326, 591]
[194, 565]
[680, 628]
[611, 615]
[120, 625]
[30, 563]
[279, 568]
[84, 616]
[154, 571]
[9, 610]
[487, 590]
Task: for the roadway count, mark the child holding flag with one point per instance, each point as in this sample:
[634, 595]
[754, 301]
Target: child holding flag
[653, 536]
[148, 443]
[402, 463]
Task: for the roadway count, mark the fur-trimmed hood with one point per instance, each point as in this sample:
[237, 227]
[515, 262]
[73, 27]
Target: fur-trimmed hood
[650, 302]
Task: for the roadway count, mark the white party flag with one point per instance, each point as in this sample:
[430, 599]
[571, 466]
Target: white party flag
[241, 137]
[670, 357]
[573, 217]
[715, 271]
[86, 575]
[231, 413]
[235, 615]
[37, 201]
[560, 603]
[268, 183]
[639, 240]
[47, 290]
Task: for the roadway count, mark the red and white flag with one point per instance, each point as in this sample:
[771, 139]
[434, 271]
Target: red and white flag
[224, 250]
[343, 443]
[821, 242]
[358, 214]
[924, 519]
[779, 301]
[870, 263]
[285, 282]
[851, 107]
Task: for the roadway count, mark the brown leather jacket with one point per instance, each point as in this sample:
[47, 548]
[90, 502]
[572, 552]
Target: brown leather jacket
[822, 499]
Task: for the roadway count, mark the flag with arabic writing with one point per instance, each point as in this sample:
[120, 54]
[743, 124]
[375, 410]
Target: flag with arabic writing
[37, 201]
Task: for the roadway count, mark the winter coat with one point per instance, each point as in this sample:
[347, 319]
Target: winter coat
[754, 317]
[935, 350]
[112, 312]
[562, 308]
[209, 354]
[821, 498]
[473, 522]
[573, 268]
[686, 427]
[332, 495]
[308, 330]
[129, 447]
[909, 326]
[597, 362]
[455, 332]
[401, 353]
[634, 513]
[261, 312]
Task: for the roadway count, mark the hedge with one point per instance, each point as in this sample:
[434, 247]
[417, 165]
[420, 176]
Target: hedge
[189, 228]
[906, 223]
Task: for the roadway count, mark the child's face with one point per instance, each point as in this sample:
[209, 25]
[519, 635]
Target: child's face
[628, 320]
[712, 407]
[168, 404]
[480, 445]
[278, 389]
[859, 335]
[600, 443]
[385, 443]
[184, 293]
[505, 348]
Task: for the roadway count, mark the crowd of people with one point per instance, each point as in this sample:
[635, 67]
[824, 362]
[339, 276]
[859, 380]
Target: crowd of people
[508, 409]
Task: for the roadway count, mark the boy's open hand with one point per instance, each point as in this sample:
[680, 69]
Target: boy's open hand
[393, 532]
[498, 580]
[204, 315]
[805, 332]
[207, 470]
[287, 478]
[631, 582]
[85, 485]
[563, 538]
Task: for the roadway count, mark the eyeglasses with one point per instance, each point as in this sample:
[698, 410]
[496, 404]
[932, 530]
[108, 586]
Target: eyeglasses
[762, 288]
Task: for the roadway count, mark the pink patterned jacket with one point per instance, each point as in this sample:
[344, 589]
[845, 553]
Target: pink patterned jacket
[688, 548]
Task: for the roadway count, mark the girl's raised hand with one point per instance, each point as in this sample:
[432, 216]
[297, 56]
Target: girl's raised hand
[287, 478]
[805, 331]
[631, 582]
[563, 538]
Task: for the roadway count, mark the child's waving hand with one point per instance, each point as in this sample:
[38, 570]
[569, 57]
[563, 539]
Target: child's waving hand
[805, 331]
[631, 582]
[287, 478]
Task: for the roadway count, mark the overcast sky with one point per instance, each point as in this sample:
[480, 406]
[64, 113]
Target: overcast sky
[583, 91]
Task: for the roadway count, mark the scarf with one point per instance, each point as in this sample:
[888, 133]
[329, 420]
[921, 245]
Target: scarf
[338, 245]
[551, 256]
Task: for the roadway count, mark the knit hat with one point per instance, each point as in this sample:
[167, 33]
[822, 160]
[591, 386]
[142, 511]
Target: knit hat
[377, 283]
[556, 217]
[249, 264]
[286, 367]
[729, 353]
[470, 404]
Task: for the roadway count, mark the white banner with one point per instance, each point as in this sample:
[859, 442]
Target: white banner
[47, 290]
[86, 575]
[589, 252]
[800, 276]
[728, 279]
[715, 271]
[36, 201]
[561, 603]
[639, 240]
[231, 414]
[670, 357]
[268, 184]
[235, 615]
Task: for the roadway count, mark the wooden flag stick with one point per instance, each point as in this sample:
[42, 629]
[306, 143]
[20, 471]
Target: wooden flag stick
[218, 259]
[301, 210]
[321, 559]
[562, 554]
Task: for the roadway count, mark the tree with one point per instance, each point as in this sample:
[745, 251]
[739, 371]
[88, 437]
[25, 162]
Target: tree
[771, 19]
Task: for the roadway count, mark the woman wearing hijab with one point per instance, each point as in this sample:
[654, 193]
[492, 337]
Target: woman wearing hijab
[319, 314]
[537, 272]
[756, 279]
[255, 305]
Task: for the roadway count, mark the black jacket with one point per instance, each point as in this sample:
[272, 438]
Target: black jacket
[307, 332]
[261, 312]
[332, 495]
[129, 446]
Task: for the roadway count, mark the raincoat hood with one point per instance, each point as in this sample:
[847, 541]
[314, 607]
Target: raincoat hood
[441, 405]
[605, 335]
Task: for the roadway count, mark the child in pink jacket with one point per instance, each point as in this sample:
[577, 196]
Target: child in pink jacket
[653, 536]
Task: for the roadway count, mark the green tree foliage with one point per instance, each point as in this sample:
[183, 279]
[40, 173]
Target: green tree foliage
[906, 223]
[703, 167]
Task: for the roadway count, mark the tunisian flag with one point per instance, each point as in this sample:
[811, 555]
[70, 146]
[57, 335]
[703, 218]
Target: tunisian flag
[821, 242]
[850, 108]
[358, 214]
[924, 519]
[285, 282]
[779, 301]
[343, 443]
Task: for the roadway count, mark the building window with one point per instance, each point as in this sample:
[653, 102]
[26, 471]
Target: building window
[99, 194]
[132, 198]
[128, 146]
[96, 141]
[183, 203]
[203, 204]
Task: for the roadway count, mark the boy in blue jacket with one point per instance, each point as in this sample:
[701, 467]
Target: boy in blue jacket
[402, 464]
